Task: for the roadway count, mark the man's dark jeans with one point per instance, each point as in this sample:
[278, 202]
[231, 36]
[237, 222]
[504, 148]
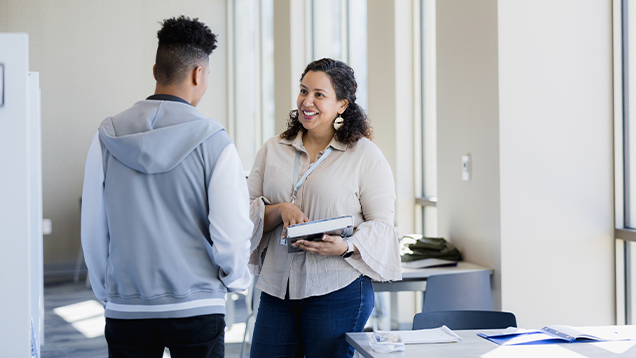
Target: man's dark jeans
[199, 336]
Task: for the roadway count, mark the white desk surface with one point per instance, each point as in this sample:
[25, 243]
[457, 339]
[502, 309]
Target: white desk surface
[473, 346]
[462, 266]
[414, 279]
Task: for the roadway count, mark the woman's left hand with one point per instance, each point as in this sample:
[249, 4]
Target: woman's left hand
[330, 245]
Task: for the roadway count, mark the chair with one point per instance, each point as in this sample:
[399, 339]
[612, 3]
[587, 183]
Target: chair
[465, 320]
[80, 258]
[458, 291]
[252, 300]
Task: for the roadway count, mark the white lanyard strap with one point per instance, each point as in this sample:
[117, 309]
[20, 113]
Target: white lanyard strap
[299, 182]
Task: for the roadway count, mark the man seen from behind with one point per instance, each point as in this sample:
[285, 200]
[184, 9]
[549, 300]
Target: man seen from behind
[165, 211]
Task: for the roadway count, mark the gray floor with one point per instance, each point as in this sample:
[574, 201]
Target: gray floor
[62, 340]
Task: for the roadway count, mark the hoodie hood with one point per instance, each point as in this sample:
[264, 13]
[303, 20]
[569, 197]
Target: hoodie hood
[155, 136]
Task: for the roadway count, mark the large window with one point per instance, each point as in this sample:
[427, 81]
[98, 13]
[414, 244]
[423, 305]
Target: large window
[334, 28]
[338, 29]
[625, 157]
[251, 71]
[426, 127]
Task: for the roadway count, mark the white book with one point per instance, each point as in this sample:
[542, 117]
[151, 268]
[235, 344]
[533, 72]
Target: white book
[313, 230]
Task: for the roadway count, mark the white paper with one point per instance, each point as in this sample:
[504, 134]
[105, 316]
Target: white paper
[436, 335]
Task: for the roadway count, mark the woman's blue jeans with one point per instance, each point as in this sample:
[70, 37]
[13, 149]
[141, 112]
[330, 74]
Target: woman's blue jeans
[315, 326]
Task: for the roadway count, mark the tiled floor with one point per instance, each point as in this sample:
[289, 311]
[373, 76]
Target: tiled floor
[74, 323]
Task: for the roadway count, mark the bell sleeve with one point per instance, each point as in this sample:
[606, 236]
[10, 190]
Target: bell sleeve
[258, 248]
[376, 237]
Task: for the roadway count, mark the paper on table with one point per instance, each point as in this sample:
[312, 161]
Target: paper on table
[442, 334]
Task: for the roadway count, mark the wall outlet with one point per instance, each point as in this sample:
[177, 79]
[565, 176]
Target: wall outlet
[466, 167]
[47, 226]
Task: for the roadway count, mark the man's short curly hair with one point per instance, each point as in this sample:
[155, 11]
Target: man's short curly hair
[356, 125]
[184, 44]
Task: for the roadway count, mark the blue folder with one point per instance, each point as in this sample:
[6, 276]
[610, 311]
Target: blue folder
[548, 335]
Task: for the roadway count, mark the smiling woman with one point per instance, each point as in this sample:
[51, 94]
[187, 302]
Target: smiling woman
[318, 105]
[311, 298]
[334, 79]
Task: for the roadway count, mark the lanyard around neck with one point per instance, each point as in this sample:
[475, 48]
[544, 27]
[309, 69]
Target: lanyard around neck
[299, 182]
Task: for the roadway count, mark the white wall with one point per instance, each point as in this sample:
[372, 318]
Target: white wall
[3, 16]
[525, 88]
[15, 307]
[467, 124]
[555, 83]
[390, 89]
[289, 58]
[95, 59]
[381, 81]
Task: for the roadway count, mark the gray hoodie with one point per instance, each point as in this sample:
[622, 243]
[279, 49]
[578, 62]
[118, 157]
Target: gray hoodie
[166, 255]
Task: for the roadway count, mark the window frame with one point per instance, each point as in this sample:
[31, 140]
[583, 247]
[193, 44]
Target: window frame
[264, 122]
[625, 236]
[423, 98]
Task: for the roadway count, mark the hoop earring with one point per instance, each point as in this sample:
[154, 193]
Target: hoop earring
[339, 122]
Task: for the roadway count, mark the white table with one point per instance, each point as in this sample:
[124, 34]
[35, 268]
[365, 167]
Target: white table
[474, 346]
[415, 279]
[412, 280]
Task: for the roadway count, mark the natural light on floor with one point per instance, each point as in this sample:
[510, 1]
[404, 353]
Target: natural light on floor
[87, 317]
[235, 333]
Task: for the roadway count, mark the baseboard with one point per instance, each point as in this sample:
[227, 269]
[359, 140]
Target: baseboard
[63, 269]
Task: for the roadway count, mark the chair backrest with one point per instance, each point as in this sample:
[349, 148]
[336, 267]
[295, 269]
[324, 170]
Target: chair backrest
[253, 297]
[465, 320]
[458, 291]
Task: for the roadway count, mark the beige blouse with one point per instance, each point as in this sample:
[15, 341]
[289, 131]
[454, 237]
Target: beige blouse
[354, 181]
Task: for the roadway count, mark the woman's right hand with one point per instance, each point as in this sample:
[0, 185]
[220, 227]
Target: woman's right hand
[292, 215]
[287, 213]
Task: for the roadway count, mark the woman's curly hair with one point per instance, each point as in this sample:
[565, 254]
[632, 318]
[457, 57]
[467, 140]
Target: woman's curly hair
[356, 125]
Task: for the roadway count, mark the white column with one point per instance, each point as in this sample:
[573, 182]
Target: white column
[556, 160]
[15, 270]
[35, 188]
[532, 105]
